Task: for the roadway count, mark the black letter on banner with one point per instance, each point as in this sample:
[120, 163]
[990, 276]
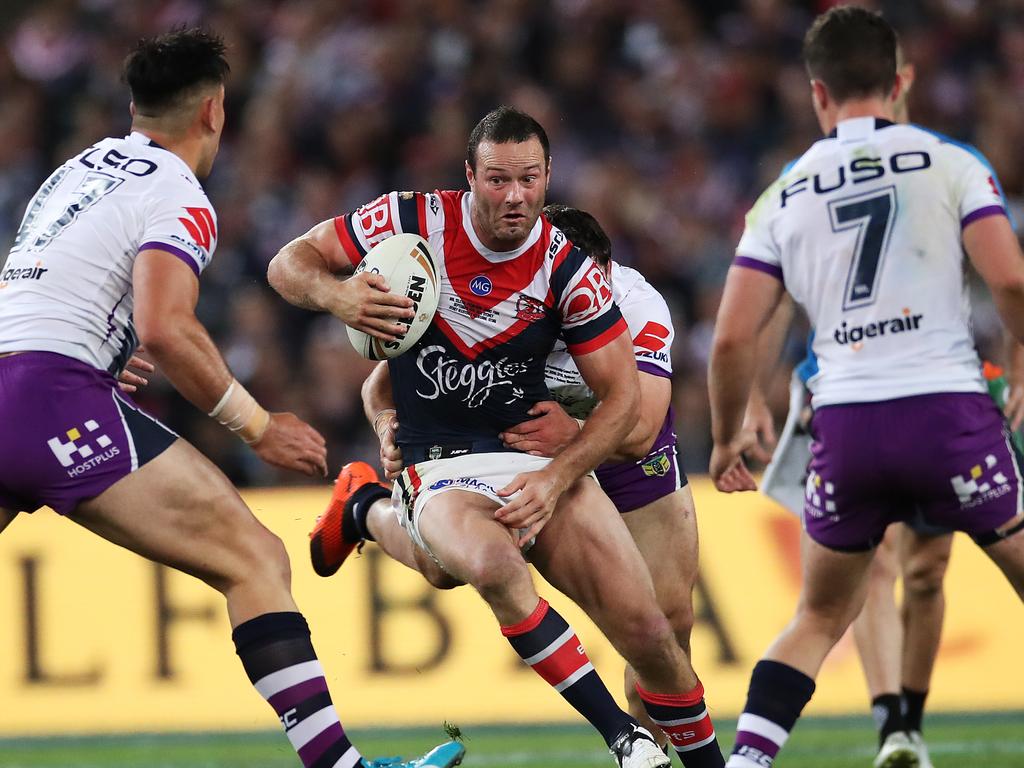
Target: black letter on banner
[166, 614]
[709, 614]
[381, 606]
[35, 674]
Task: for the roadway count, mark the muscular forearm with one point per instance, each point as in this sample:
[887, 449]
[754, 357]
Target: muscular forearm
[730, 376]
[602, 433]
[376, 392]
[299, 273]
[190, 360]
[1009, 302]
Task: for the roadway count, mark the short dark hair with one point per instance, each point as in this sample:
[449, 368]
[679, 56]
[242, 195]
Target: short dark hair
[503, 125]
[161, 70]
[583, 230]
[852, 51]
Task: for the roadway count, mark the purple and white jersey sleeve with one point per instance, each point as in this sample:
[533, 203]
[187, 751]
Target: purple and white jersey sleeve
[977, 189]
[182, 222]
[648, 318]
[757, 248]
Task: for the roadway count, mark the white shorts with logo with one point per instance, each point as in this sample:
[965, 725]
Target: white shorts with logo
[481, 473]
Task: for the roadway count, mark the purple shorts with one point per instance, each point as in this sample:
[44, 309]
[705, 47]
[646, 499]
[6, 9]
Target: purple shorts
[946, 459]
[69, 432]
[631, 485]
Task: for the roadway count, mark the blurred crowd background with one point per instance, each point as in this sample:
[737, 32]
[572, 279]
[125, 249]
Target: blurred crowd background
[667, 118]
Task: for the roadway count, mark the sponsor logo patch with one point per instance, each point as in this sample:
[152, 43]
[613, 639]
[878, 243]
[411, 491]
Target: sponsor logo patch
[855, 335]
[77, 455]
[980, 483]
[659, 466]
[481, 285]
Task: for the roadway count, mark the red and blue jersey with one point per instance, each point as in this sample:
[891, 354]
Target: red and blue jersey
[480, 366]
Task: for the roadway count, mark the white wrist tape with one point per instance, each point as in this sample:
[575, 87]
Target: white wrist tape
[238, 411]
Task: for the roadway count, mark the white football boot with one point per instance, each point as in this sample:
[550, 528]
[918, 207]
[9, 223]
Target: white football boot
[923, 758]
[635, 747]
[897, 751]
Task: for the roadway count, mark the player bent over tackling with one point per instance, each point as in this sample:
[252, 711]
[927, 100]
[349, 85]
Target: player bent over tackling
[510, 284]
[125, 230]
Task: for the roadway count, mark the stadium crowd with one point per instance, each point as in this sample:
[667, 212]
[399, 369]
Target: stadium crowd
[666, 117]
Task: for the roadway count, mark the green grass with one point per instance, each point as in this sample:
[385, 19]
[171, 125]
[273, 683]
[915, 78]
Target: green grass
[988, 740]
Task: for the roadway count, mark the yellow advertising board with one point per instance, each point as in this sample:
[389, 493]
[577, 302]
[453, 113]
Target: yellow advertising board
[96, 639]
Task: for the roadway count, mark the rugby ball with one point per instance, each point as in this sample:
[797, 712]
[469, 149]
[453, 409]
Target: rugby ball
[407, 262]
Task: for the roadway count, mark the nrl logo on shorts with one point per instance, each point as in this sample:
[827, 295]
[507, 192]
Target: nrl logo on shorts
[528, 309]
[659, 466]
[434, 453]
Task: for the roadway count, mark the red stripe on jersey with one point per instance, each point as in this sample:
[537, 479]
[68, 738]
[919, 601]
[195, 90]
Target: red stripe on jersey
[530, 623]
[474, 351]
[347, 243]
[421, 213]
[560, 665]
[600, 340]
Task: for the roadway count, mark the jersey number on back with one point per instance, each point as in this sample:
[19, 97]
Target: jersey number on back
[871, 215]
[90, 190]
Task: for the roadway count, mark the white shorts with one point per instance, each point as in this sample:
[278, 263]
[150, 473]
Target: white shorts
[481, 473]
[785, 476]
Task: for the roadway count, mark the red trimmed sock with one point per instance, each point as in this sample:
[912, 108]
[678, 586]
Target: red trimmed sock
[685, 720]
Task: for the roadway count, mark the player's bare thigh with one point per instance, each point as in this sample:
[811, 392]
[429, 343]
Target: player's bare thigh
[665, 532]
[1008, 554]
[587, 552]
[460, 529]
[180, 510]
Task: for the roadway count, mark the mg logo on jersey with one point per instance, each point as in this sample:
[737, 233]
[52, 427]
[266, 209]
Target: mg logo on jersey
[480, 285]
[200, 226]
[77, 449]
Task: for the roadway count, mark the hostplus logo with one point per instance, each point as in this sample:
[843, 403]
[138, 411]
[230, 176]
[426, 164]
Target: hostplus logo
[980, 484]
[76, 455]
[821, 495]
[856, 334]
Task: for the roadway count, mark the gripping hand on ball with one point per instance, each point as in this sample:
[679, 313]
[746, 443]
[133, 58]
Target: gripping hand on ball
[363, 302]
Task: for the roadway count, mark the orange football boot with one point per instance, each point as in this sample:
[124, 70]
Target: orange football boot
[328, 548]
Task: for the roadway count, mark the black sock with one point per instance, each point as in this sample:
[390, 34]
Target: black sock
[280, 662]
[913, 708]
[548, 644]
[353, 526]
[887, 711]
[776, 697]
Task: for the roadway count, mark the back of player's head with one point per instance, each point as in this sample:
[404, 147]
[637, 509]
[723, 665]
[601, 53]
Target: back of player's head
[583, 230]
[852, 51]
[163, 72]
[506, 124]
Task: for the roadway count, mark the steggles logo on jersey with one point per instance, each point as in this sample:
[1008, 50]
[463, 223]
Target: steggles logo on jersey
[480, 285]
[200, 226]
[474, 382]
[856, 334]
[976, 488]
[76, 449]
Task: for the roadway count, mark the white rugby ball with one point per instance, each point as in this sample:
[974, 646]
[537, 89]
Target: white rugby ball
[407, 263]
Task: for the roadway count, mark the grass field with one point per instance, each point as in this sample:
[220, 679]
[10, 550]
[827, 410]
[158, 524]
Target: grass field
[977, 740]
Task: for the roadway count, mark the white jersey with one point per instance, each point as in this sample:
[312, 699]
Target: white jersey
[650, 326]
[865, 232]
[67, 283]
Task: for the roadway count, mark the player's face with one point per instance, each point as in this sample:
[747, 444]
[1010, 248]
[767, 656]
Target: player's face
[509, 184]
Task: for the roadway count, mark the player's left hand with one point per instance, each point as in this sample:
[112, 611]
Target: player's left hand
[546, 434]
[130, 381]
[536, 494]
[727, 470]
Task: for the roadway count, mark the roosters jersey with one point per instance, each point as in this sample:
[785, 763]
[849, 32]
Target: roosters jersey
[865, 232]
[650, 325]
[67, 283]
[480, 366]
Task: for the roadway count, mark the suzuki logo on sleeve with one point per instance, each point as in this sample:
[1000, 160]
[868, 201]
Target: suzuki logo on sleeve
[200, 226]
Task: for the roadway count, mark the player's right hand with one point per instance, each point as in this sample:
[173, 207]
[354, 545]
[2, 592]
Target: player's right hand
[727, 470]
[390, 453]
[759, 421]
[290, 443]
[364, 303]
